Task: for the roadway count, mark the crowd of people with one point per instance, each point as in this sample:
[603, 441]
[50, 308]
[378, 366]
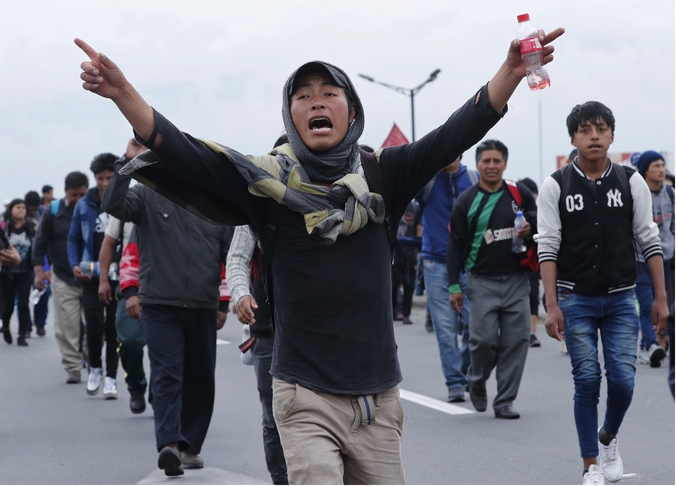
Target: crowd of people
[320, 221]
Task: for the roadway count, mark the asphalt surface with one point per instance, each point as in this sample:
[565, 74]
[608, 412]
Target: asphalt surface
[53, 433]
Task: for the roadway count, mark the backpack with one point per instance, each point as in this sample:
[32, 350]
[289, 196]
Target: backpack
[530, 261]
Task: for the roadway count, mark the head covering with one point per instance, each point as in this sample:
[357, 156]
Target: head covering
[332, 164]
[646, 159]
[530, 184]
[634, 158]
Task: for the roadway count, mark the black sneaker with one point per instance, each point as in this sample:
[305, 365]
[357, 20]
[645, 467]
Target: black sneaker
[656, 355]
[534, 342]
[137, 404]
[429, 327]
[21, 341]
[40, 330]
[7, 335]
[169, 461]
[406, 320]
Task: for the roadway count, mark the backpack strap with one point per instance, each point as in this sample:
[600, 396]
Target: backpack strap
[670, 193]
[530, 261]
[268, 243]
[54, 207]
[376, 182]
[514, 189]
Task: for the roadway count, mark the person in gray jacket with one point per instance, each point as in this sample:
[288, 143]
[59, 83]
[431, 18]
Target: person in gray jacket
[179, 277]
[651, 166]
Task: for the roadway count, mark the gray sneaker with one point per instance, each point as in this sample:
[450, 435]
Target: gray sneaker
[191, 461]
[456, 394]
[73, 377]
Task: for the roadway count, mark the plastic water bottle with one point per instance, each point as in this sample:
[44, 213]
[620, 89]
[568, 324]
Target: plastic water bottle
[36, 294]
[517, 243]
[90, 269]
[531, 53]
[247, 358]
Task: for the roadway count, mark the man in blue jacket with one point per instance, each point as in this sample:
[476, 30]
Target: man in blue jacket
[87, 231]
[440, 197]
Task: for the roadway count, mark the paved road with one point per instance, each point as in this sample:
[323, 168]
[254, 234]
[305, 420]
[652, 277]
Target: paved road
[54, 433]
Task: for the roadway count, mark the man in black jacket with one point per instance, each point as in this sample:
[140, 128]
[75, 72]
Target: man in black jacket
[52, 240]
[323, 231]
[179, 278]
[482, 229]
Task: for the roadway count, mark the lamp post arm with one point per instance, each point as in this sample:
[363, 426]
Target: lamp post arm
[396, 88]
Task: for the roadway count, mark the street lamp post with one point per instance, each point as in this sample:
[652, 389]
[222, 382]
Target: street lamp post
[411, 92]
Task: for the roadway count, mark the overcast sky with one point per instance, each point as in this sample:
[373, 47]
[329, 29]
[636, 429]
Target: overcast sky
[216, 69]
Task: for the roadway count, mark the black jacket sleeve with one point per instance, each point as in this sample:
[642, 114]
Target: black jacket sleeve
[118, 200]
[407, 168]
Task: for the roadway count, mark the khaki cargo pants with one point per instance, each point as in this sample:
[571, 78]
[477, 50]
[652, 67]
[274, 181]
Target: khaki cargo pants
[339, 439]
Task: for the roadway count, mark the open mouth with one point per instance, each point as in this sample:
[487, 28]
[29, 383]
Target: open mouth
[320, 124]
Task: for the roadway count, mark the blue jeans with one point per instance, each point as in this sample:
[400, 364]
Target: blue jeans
[615, 316]
[274, 454]
[454, 358]
[646, 297]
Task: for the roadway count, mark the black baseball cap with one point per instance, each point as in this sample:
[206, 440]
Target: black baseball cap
[319, 67]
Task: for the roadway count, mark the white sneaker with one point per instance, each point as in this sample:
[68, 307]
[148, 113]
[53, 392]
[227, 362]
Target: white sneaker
[109, 388]
[611, 462]
[594, 475]
[94, 381]
[643, 356]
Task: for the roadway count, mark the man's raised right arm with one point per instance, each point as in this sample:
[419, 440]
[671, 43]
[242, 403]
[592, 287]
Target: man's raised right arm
[180, 154]
[102, 77]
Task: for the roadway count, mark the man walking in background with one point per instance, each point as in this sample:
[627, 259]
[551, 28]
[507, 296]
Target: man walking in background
[52, 240]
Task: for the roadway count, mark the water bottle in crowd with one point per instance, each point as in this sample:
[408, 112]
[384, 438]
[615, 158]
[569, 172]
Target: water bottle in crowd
[247, 358]
[531, 53]
[517, 243]
[91, 269]
[36, 294]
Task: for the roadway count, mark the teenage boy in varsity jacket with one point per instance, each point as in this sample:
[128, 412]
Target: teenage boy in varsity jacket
[589, 215]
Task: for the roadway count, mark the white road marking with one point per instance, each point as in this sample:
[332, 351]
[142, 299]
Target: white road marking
[433, 403]
[221, 342]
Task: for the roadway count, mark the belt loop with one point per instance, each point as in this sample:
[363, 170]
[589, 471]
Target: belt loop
[377, 399]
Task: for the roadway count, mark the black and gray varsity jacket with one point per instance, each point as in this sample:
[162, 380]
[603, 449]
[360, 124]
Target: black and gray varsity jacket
[588, 228]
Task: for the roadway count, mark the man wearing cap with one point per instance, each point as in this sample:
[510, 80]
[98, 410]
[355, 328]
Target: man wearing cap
[335, 367]
[651, 166]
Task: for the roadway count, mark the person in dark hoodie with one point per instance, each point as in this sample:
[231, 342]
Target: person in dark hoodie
[15, 282]
[335, 369]
[51, 240]
[87, 231]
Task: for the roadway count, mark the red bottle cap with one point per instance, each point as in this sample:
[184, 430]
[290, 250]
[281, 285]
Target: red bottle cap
[523, 17]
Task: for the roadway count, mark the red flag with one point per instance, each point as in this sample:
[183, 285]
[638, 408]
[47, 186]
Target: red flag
[396, 137]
